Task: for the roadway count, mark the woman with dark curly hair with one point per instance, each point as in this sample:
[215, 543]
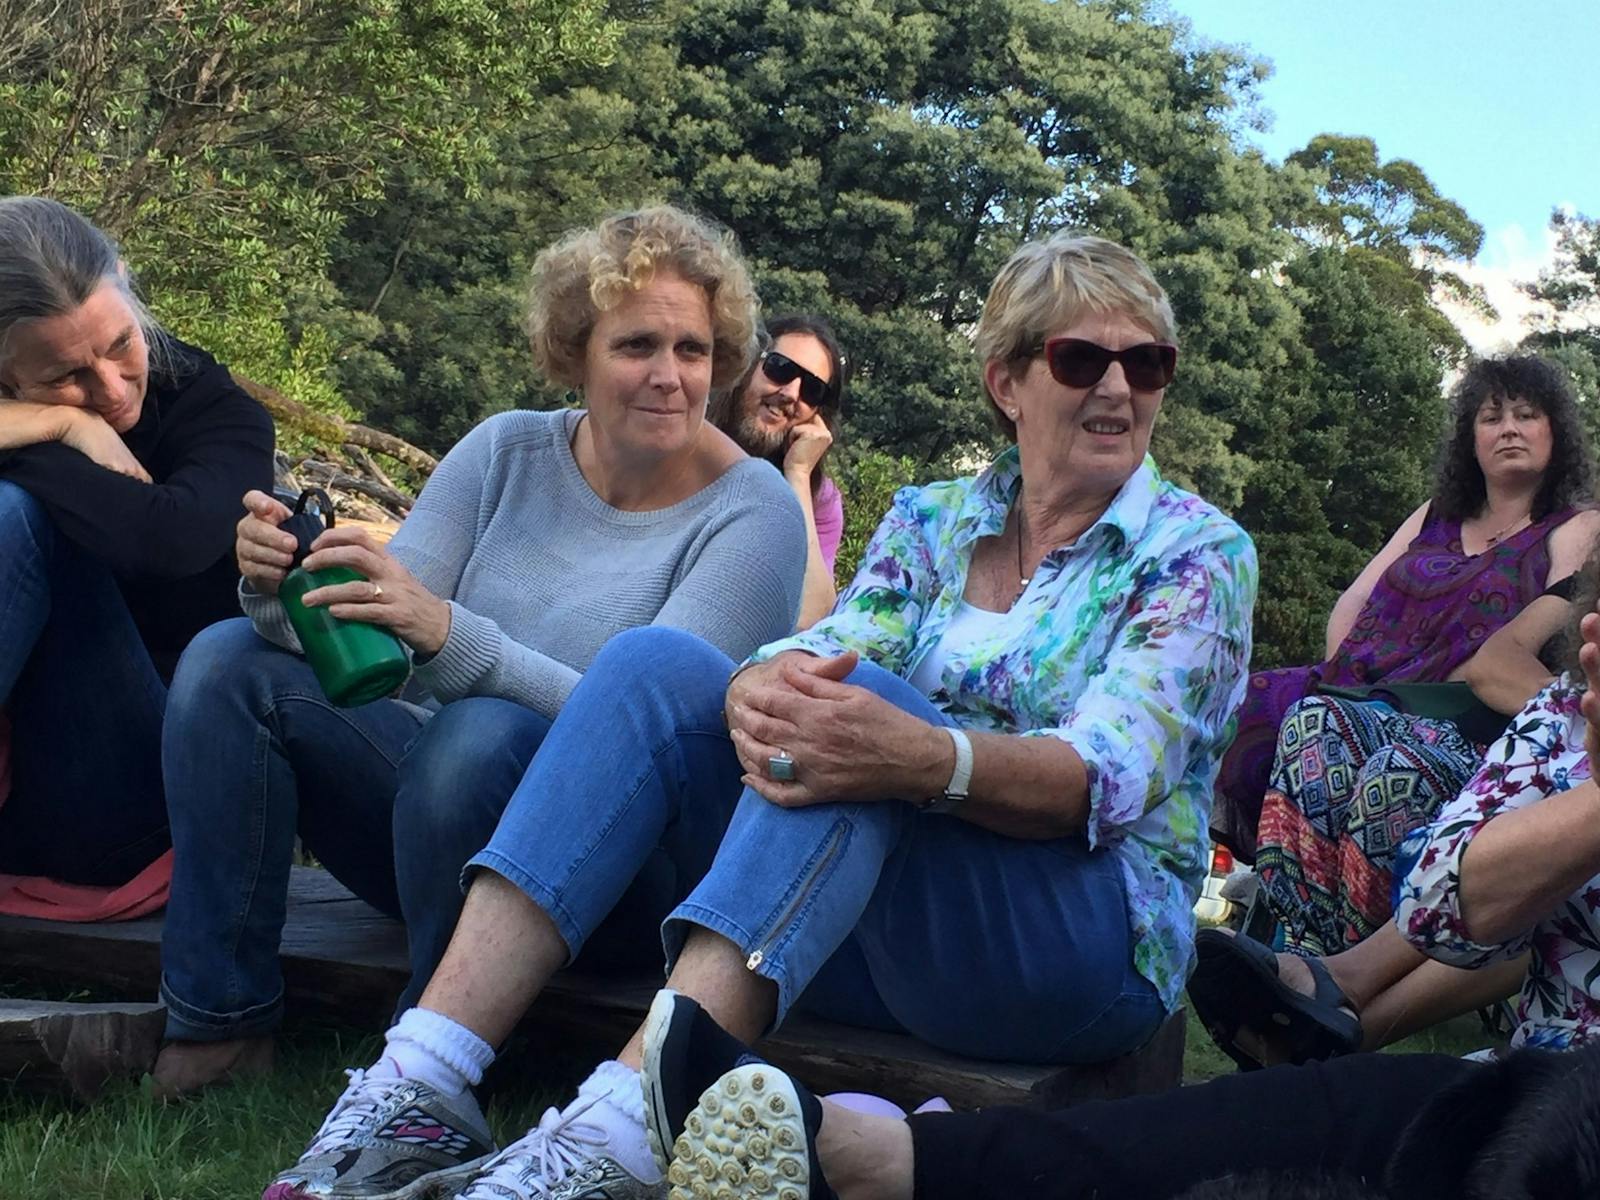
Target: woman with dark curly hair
[1351, 776]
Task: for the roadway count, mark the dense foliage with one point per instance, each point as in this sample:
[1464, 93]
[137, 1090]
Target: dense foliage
[344, 198]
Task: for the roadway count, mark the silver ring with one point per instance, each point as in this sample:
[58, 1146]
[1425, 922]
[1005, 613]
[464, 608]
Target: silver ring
[781, 767]
[377, 590]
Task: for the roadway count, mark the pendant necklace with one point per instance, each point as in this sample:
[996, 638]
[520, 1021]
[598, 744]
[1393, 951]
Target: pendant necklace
[1496, 538]
[1025, 579]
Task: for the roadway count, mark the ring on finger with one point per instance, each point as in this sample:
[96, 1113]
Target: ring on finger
[377, 590]
[780, 767]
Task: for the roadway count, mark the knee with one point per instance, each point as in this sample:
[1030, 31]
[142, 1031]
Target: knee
[24, 522]
[659, 660]
[459, 773]
[225, 665]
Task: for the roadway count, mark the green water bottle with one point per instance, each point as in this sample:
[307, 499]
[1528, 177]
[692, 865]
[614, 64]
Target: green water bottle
[355, 663]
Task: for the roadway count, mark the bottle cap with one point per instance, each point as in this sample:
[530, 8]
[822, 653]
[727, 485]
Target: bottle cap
[307, 523]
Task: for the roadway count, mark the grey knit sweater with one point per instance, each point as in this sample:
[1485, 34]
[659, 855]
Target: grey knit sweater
[540, 572]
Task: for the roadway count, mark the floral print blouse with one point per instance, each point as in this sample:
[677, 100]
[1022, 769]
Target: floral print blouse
[1132, 645]
[1540, 754]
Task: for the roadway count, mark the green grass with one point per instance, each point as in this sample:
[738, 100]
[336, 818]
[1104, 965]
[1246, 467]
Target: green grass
[225, 1144]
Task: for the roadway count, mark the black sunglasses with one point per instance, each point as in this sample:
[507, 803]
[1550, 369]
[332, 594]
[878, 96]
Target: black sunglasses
[783, 370]
[1076, 363]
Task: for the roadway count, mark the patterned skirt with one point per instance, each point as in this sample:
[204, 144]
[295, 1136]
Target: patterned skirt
[1349, 780]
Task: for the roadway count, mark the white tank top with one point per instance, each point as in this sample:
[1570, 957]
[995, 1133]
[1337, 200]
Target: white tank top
[968, 626]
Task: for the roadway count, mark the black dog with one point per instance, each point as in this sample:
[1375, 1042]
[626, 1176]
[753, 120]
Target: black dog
[1524, 1128]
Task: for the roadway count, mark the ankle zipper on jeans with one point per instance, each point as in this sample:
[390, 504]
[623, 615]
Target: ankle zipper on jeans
[759, 954]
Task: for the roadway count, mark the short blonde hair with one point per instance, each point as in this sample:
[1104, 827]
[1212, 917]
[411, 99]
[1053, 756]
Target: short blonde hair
[1050, 283]
[588, 271]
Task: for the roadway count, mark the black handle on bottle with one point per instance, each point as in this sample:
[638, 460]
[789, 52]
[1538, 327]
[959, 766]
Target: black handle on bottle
[306, 526]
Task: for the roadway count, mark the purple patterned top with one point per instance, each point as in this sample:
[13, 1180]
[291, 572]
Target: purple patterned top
[1427, 614]
[1436, 604]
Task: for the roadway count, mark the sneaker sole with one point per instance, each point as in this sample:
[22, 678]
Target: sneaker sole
[746, 1138]
[443, 1184]
[657, 1123]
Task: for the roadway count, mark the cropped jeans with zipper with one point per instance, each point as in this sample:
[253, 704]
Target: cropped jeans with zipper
[869, 913]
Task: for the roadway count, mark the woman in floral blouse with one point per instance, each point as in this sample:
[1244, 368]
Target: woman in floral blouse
[1512, 866]
[970, 805]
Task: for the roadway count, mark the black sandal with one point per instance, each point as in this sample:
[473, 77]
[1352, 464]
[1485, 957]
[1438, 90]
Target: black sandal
[1236, 986]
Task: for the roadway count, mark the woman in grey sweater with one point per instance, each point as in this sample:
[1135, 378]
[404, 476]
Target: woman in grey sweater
[539, 537]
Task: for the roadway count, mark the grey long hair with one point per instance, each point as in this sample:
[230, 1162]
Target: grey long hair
[51, 261]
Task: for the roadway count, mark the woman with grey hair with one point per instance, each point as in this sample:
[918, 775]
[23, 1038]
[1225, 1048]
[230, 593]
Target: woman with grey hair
[970, 804]
[123, 454]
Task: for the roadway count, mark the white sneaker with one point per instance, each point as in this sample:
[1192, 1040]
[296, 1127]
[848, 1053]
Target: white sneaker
[389, 1138]
[563, 1157]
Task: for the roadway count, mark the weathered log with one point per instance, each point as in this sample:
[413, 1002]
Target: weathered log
[76, 1047]
[344, 959]
[335, 431]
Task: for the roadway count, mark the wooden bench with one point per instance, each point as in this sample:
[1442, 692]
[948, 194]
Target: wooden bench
[345, 960]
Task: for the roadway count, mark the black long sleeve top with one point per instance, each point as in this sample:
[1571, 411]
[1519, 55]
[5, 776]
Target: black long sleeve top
[169, 543]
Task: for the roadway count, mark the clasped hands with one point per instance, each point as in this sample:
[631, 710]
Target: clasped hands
[847, 743]
[389, 596]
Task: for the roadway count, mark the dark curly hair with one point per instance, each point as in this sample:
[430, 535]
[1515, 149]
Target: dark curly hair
[1458, 489]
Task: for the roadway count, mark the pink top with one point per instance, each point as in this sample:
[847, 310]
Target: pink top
[828, 505]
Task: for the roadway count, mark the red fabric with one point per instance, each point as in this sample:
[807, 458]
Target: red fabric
[32, 896]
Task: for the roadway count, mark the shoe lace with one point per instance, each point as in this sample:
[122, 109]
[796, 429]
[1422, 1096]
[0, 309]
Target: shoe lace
[554, 1150]
[359, 1107]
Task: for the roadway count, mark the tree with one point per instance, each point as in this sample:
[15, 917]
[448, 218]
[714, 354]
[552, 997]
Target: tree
[1568, 330]
[225, 142]
[879, 161]
[1397, 229]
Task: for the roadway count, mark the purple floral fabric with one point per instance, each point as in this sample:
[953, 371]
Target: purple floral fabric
[1540, 755]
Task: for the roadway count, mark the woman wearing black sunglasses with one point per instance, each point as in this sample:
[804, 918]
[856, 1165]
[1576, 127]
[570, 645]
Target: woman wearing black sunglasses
[786, 410]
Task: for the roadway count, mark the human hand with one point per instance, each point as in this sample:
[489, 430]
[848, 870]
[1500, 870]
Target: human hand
[88, 434]
[1589, 661]
[847, 743]
[264, 551]
[808, 442]
[389, 596]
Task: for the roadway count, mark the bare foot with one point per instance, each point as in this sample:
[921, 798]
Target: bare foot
[865, 1157]
[1270, 1047]
[183, 1068]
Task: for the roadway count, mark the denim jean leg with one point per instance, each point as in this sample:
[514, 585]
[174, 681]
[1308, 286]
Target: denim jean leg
[86, 704]
[27, 544]
[979, 943]
[254, 752]
[789, 884]
[637, 761]
[455, 780]
[1005, 948]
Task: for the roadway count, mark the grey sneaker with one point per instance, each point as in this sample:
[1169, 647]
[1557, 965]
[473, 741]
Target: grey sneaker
[389, 1139]
[563, 1157]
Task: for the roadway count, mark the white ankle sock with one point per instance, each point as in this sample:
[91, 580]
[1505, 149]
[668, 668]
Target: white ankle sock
[620, 1113]
[431, 1047]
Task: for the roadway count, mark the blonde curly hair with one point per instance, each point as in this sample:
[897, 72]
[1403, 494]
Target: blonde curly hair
[589, 271]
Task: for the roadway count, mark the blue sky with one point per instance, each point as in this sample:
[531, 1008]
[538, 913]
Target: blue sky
[1498, 102]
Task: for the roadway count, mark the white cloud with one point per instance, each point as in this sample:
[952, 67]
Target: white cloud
[1510, 256]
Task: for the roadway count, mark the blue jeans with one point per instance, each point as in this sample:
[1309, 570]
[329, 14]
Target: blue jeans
[391, 798]
[86, 705]
[870, 913]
